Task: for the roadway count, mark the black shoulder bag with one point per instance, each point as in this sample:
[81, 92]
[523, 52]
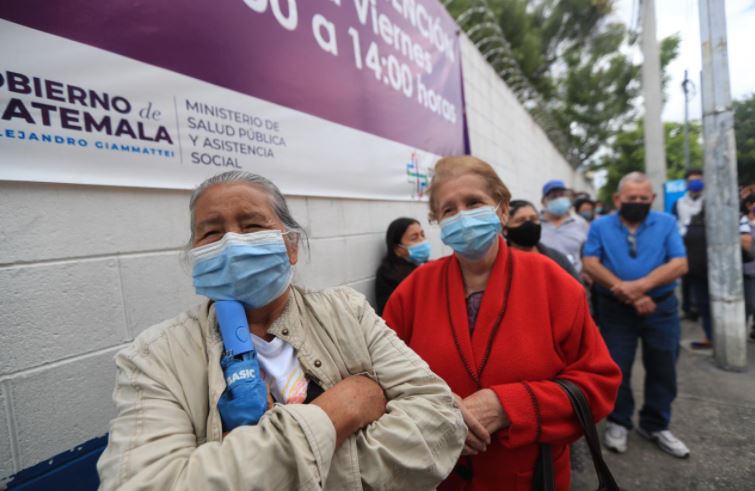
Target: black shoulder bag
[544, 477]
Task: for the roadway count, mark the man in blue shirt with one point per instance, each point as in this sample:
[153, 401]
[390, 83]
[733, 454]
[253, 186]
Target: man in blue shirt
[635, 256]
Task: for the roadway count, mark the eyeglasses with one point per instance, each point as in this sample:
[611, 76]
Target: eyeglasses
[632, 241]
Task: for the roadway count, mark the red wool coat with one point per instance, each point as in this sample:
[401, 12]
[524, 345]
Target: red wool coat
[546, 332]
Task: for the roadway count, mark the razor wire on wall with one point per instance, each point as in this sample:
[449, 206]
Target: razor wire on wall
[481, 26]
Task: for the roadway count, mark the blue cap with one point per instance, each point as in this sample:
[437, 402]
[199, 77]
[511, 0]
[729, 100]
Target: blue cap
[553, 184]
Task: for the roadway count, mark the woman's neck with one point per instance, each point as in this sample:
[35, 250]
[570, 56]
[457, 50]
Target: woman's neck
[476, 272]
[262, 318]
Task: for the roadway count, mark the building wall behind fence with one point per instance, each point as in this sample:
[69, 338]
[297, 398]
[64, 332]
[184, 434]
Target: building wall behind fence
[84, 269]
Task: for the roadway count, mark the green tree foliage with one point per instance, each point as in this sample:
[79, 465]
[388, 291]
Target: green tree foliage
[543, 32]
[579, 61]
[744, 128]
[627, 154]
[572, 53]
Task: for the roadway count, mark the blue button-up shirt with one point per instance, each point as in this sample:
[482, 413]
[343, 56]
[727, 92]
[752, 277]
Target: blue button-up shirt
[658, 241]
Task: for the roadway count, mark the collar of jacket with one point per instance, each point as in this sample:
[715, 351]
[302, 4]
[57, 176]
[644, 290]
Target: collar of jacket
[287, 326]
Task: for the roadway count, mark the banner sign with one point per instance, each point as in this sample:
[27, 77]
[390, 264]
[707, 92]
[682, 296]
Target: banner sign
[351, 98]
[672, 191]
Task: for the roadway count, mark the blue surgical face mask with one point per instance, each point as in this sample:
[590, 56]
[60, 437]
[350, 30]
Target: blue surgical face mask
[251, 268]
[471, 232]
[559, 206]
[418, 253]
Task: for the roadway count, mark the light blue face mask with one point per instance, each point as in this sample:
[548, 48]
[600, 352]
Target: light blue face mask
[559, 206]
[418, 253]
[251, 268]
[471, 232]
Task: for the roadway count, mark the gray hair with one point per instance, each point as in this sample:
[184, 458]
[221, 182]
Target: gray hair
[635, 177]
[277, 201]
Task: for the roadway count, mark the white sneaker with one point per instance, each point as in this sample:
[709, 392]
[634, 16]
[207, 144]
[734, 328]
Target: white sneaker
[615, 437]
[667, 442]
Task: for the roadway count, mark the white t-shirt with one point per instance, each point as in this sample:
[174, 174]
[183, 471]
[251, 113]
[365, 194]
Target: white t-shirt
[281, 370]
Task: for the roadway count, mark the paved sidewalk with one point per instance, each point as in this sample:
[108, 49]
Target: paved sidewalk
[714, 414]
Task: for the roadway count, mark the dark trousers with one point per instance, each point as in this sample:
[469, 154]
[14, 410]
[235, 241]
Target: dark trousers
[749, 282]
[699, 287]
[659, 333]
[689, 304]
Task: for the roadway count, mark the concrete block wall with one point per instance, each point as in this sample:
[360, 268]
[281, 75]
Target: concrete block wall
[84, 269]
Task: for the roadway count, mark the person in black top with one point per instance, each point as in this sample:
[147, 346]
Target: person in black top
[697, 275]
[697, 259]
[407, 248]
[522, 231]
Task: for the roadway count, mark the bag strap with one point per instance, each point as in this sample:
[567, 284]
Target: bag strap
[544, 478]
[584, 415]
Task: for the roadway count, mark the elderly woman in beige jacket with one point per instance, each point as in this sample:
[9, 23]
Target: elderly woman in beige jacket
[397, 427]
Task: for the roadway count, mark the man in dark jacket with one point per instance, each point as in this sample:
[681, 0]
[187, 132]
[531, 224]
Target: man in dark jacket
[697, 275]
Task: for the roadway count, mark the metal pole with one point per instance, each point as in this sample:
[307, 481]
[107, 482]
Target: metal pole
[655, 150]
[685, 88]
[721, 197]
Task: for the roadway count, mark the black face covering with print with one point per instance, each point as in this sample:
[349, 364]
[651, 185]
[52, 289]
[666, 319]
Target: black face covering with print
[634, 212]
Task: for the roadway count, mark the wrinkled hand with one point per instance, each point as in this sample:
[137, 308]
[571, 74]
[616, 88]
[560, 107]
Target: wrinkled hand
[483, 416]
[644, 305]
[352, 404]
[628, 291]
[478, 437]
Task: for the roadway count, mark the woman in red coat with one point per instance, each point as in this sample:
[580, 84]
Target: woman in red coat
[498, 325]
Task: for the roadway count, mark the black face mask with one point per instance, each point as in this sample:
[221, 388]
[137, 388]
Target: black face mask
[525, 235]
[634, 212]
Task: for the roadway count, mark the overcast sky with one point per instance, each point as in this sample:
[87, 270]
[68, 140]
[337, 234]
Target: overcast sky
[681, 16]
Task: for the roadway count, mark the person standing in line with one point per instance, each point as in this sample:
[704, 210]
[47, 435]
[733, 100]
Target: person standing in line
[691, 202]
[585, 207]
[748, 267]
[562, 230]
[498, 325]
[684, 209]
[635, 256]
[523, 230]
[697, 253]
[406, 249]
[354, 407]
[695, 240]
[696, 243]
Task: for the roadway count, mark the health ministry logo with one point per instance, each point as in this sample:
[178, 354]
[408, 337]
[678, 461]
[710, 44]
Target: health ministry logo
[419, 174]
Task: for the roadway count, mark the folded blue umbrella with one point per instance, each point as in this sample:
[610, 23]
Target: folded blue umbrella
[244, 400]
